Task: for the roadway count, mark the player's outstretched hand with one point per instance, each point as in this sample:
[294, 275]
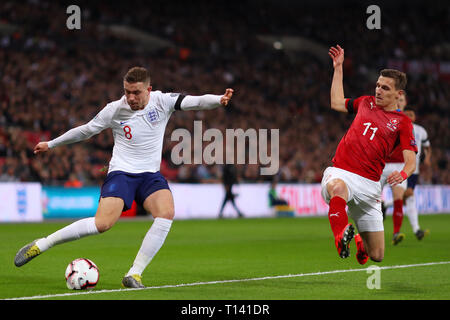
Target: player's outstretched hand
[337, 55]
[395, 178]
[41, 147]
[226, 97]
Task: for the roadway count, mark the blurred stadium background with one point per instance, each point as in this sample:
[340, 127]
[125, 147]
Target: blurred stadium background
[273, 53]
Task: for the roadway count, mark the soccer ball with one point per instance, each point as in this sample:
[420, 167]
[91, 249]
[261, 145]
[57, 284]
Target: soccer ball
[81, 274]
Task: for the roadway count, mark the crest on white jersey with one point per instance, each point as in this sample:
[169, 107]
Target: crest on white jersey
[153, 115]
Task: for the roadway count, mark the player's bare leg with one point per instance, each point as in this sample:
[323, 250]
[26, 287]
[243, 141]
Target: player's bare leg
[160, 205]
[342, 230]
[408, 193]
[374, 244]
[108, 212]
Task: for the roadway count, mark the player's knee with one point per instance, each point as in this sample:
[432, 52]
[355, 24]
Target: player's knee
[166, 214]
[408, 193]
[377, 258]
[170, 214]
[377, 255]
[103, 225]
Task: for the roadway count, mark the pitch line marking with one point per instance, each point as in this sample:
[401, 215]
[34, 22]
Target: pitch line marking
[225, 281]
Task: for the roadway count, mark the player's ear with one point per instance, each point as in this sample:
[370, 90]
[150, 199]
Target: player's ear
[149, 88]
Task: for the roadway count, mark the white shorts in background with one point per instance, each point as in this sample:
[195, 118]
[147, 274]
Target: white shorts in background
[388, 169]
[364, 198]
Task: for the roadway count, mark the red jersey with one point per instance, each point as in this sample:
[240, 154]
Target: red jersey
[372, 137]
[396, 155]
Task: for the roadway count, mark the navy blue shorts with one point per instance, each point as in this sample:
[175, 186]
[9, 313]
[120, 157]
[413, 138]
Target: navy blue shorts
[412, 181]
[132, 186]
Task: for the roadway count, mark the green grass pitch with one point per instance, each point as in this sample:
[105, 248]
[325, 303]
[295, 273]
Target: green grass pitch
[199, 256]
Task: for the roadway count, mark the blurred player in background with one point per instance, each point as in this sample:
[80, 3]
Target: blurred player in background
[138, 121]
[360, 157]
[274, 200]
[395, 163]
[423, 144]
[229, 178]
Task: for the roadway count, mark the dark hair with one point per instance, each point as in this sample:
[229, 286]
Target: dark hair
[398, 76]
[407, 108]
[137, 74]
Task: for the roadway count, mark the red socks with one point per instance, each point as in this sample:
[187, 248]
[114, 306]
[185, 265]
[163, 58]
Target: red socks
[337, 215]
[397, 216]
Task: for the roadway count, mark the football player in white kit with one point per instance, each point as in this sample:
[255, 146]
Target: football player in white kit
[404, 192]
[395, 162]
[138, 121]
[423, 144]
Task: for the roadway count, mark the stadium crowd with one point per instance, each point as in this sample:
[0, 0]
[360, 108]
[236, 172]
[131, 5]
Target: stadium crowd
[53, 79]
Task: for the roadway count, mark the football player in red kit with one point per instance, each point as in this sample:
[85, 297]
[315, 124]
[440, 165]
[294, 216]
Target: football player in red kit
[354, 178]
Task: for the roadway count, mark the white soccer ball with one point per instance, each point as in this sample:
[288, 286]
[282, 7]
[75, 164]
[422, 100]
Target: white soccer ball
[81, 274]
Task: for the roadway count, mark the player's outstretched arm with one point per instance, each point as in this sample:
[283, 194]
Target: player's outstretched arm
[337, 86]
[76, 134]
[207, 101]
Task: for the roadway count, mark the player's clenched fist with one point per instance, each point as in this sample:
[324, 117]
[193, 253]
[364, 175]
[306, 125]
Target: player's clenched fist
[41, 147]
[226, 97]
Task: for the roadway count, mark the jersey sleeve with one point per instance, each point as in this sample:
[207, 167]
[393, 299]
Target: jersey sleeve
[425, 141]
[100, 122]
[407, 140]
[171, 101]
[204, 102]
[176, 101]
[352, 105]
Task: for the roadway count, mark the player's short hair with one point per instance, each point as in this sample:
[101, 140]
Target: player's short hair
[137, 74]
[398, 76]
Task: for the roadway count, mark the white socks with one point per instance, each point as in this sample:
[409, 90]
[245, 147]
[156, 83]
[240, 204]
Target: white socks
[153, 241]
[74, 231]
[411, 211]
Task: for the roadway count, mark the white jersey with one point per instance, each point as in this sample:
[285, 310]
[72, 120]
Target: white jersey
[421, 136]
[138, 135]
